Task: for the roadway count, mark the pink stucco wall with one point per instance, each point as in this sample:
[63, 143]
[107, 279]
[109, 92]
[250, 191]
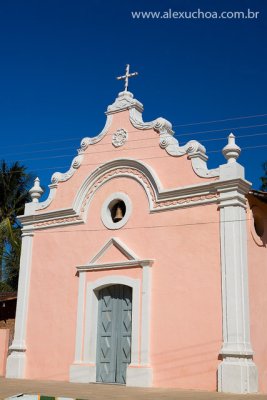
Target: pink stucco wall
[257, 261]
[4, 338]
[186, 323]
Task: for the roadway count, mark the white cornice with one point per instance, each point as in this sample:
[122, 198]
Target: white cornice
[50, 219]
[66, 212]
[116, 265]
[242, 186]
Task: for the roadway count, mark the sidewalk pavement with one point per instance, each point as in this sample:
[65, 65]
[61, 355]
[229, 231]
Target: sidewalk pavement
[90, 391]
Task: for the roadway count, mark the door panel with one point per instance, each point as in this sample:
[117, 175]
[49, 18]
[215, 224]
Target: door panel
[114, 333]
[125, 333]
[106, 336]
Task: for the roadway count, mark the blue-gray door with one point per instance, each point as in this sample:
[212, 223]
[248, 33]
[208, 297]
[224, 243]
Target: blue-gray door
[114, 333]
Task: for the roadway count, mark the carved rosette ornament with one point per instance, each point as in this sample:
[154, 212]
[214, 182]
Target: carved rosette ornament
[119, 137]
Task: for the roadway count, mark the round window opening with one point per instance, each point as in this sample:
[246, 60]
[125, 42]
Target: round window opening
[116, 210]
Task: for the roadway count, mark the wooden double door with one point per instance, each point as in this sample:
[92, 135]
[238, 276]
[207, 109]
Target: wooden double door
[114, 333]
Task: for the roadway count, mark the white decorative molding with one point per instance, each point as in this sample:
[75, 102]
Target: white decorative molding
[36, 191]
[116, 242]
[75, 220]
[115, 265]
[50, 219]
[171, 145]
[48, 201]
[196, 153]
[63, 177]
[160, 125]
[124, 101]
[88, 141]
[118, 167]
[159, 200]
[231, 151]
[16, 361]
[199, 165]
[119, 137]
[106, 212]
[132, 259]
[237, 372]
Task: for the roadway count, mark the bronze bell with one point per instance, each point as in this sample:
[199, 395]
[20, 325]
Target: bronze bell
[118, 214]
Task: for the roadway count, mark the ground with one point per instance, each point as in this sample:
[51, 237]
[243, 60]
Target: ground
[9, 387]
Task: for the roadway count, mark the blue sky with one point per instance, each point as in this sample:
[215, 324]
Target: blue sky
[59, 60]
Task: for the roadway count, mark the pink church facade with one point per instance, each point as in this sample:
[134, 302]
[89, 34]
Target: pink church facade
[143, 266]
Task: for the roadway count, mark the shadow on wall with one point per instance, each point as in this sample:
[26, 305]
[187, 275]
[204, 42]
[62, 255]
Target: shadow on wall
[186, 362]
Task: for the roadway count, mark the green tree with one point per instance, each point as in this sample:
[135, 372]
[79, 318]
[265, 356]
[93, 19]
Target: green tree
[264, 178]
[14, 185]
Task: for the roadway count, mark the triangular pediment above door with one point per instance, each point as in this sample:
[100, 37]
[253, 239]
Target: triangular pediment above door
[114, 250]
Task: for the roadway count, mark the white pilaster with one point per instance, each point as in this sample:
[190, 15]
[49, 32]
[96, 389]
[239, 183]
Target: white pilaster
[142, 375]
[237, 372]
[146, 314]
[15, 367]
[80, 318]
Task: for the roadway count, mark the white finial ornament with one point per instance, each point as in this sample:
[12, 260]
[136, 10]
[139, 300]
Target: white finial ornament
[127, 76]
[231, 151]
[36, 191]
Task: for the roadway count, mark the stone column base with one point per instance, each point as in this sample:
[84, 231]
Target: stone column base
[139, 376]
[15, 365]
[82, 373]
[237, 375]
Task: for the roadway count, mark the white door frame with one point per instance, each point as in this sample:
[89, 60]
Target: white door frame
[139, 372]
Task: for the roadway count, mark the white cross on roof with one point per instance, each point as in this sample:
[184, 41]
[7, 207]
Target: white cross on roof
[127, 76]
